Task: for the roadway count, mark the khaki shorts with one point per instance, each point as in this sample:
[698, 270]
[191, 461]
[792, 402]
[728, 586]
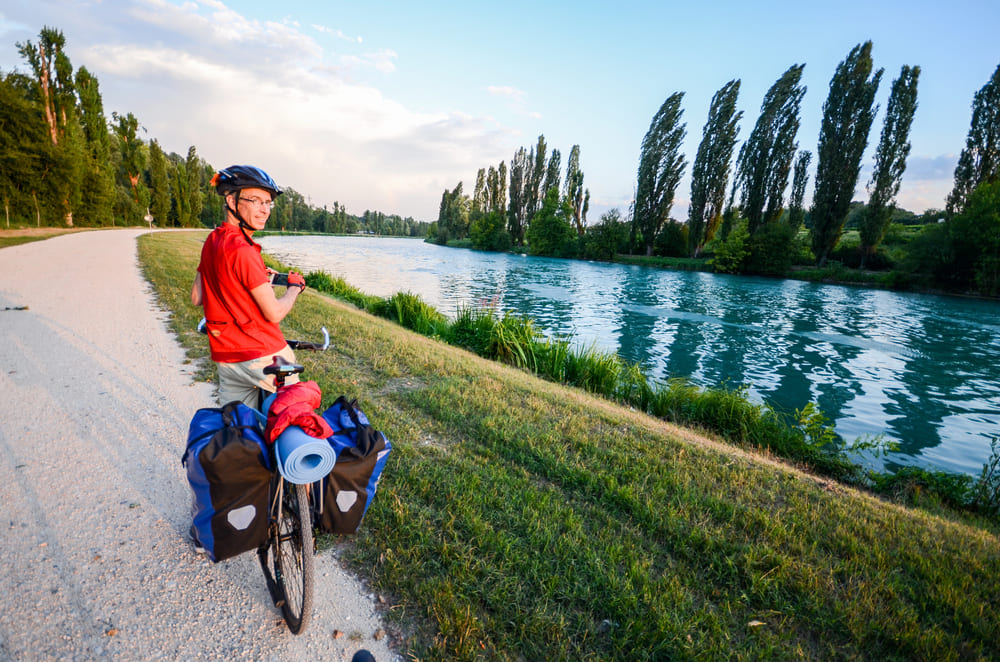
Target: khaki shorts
[241, 381]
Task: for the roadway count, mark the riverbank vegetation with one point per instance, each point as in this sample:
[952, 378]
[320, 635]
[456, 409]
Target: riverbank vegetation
[802, 436]
[522, 519]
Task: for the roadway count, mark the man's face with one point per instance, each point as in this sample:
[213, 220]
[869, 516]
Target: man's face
[254, 205]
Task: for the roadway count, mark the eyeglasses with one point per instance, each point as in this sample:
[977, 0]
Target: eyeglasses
[258, 203]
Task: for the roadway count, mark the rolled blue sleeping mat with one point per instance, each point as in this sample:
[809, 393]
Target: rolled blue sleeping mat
[303, 459]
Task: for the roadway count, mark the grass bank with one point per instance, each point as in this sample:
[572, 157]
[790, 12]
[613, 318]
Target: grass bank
[523, 520]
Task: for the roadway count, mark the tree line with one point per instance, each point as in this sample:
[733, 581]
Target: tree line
[739, 220]
[63, 163]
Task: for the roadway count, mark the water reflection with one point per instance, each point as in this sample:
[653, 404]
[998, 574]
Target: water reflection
[917, 369]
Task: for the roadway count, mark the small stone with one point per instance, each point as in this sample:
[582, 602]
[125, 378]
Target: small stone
[338, 634]
[379, 634]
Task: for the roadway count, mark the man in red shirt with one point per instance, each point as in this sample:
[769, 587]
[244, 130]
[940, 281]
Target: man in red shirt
[234, 287]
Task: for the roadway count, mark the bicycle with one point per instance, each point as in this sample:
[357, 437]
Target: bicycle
[286, 556]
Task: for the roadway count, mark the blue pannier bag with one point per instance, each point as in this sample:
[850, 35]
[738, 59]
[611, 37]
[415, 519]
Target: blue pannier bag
[350, 487]
[228, 468]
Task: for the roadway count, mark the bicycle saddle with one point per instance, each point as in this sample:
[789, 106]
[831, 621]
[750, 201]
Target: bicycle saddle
[283, 366]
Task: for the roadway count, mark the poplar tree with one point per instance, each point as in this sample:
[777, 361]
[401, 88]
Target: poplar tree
[159, 184]
[847, 118]
[766, 157]
[574, 191]
[132, 192]
[710, 173]
[552, 173]
[516, 210]
[496, 181]
[980, 160]
[800, 178]
[661, 166]
[535, 172]
[182, 199]
[890, 161]
[479, 192]
[98, 179]
[195, 183]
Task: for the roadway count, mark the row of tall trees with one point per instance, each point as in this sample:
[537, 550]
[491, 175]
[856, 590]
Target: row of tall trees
[754, 230]
[500, 215]
[64, 163]
[766, 230]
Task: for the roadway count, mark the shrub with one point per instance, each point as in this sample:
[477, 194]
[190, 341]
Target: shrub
[731, 254]
[488, 232]
[672, 241]
[771, 249]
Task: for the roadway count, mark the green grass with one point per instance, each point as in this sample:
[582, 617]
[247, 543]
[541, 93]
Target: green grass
[519, 519]
[17, 236]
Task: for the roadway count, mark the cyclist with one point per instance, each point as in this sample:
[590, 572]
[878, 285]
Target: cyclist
[234, 287]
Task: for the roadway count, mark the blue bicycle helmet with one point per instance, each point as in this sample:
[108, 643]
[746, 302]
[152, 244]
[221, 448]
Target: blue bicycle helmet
[238, 177]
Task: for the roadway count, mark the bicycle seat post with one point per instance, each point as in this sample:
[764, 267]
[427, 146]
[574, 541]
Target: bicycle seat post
[281, 368]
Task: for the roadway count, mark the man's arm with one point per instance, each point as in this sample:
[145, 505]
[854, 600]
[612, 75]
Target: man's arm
[196, 290]
[273, 308]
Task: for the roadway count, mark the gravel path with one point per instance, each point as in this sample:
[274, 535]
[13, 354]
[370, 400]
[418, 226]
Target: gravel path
[95, 404]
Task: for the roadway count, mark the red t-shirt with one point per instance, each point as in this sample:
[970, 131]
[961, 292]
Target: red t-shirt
[230, 267]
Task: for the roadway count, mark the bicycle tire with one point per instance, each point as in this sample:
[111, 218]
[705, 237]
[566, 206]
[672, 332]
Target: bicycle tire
[289, 568]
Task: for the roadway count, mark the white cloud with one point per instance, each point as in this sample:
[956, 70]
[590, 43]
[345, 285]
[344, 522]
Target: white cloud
[336, 33]
[248, 91]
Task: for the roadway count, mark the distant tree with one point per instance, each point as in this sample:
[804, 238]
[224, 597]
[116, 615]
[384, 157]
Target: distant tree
[847, 118]
[517, 205]
[890, 161]
[661, 166]
[550, 232]
[800, 178]
[181, 198]
[25, 147]
[98, 178]
[766, 157]
[974, 235]
[453, 216]
[133, 196]
[574, 191]
[710, 173]
[608, 237]
[53, 77]
[980, 160]
[488, 233]
[159, 184]
[535, 172]
[551, 174]
[496, 186]
[196, 182]
[53, 82]
[732, 253]
[479, 193]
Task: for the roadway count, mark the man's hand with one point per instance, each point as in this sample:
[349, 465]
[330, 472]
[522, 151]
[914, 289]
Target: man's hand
[297, 280]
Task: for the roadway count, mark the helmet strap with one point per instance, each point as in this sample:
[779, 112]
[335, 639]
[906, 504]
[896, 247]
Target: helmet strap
[244, 226]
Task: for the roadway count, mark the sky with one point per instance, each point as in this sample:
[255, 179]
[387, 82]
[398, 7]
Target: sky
[382, 105]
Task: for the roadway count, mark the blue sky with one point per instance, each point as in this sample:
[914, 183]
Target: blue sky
[384, 104]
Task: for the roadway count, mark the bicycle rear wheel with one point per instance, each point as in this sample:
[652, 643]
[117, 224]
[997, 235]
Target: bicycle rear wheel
[289, 564]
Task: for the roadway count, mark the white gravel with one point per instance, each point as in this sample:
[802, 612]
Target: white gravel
[95, 399]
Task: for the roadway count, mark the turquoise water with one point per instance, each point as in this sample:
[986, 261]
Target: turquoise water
[919, 369]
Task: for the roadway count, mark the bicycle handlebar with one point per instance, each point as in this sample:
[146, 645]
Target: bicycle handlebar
[294, 344]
